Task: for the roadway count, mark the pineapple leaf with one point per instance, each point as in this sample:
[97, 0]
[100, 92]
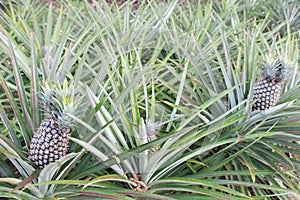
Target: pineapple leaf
[49, 171]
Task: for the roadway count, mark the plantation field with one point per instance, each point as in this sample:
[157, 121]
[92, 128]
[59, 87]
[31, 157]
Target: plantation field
[149, 99]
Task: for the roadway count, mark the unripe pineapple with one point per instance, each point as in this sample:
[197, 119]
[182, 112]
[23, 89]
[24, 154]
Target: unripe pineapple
[50, 142]
[151, 127]
[267, 91]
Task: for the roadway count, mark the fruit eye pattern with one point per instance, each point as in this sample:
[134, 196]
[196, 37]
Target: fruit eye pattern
[51, 141]
[266, 93]
[48, 144]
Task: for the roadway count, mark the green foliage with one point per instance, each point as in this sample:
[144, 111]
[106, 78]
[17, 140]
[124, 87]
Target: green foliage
[182, 72]
[62, 103]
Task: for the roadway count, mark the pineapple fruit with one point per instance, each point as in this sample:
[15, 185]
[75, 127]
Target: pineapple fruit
[151, 127]
[50, 142]
[267, 91]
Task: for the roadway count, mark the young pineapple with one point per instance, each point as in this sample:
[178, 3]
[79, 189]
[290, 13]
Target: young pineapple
[267, 91]
[151, 127]
[50, 142]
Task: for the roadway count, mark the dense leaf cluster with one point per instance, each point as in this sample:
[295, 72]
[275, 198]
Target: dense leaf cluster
[180, 71]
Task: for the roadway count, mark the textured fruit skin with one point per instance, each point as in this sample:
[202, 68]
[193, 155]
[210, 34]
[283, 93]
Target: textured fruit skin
[266, 94]
[48, 144]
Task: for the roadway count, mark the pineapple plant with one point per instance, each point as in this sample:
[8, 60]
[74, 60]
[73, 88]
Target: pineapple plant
[50, 142]
[267, 91]
[197, 99]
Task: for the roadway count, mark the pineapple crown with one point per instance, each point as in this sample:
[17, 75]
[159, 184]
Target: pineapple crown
[61, 102]
[276, 69]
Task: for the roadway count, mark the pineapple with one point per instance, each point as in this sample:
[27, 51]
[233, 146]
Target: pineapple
[50, 142]
[151, 127]
[267, 91]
